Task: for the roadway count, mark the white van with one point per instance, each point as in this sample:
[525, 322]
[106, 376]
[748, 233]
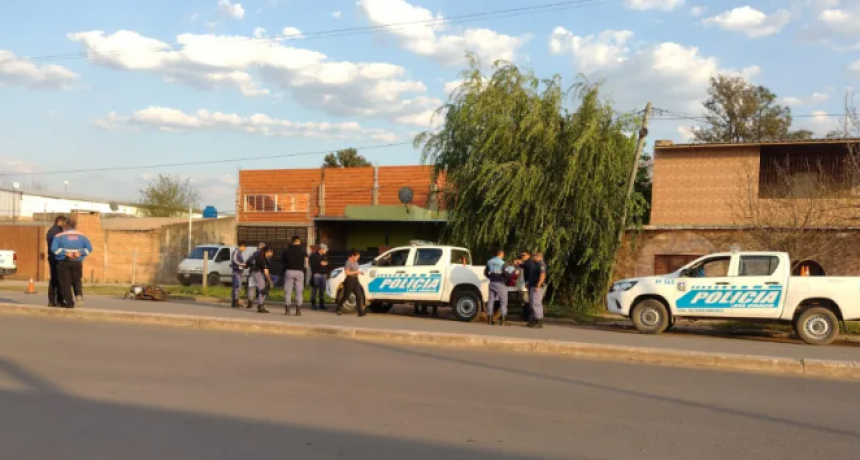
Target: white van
[190, 270]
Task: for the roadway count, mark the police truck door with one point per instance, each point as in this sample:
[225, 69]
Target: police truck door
[385, 279]
[427, 274]
[705, 288]
[760, 285]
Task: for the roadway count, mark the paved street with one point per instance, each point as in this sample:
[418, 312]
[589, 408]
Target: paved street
[751, 346]
[81, 390]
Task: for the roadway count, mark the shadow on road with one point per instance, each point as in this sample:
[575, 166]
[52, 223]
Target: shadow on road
[44, 422]
[626, 391]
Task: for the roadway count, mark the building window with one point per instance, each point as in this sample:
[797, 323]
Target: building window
[665, 264]
[277, 203]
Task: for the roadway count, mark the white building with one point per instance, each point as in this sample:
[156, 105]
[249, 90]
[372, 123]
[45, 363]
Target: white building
[22, 204]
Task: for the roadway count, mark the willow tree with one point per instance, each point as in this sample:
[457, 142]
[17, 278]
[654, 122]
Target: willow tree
[531, 165]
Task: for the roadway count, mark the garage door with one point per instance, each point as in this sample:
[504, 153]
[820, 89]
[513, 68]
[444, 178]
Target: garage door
[278, 238]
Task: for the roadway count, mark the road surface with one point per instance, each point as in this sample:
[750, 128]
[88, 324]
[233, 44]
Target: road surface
[82, 390]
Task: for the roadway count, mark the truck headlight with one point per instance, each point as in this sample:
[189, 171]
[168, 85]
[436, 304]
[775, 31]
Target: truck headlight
[623, 286]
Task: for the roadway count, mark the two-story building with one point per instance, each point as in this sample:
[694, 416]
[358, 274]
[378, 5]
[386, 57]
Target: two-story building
[367, 208]
[697, 189]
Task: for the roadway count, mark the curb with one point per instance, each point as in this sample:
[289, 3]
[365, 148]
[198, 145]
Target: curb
[663, 357]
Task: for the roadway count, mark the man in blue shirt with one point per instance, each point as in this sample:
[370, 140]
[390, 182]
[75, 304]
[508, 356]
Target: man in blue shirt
[495, 271]
[237, 264]
[70, 249]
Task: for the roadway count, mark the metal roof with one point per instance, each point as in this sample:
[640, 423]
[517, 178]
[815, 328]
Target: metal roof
[65, 196]
[672, 146]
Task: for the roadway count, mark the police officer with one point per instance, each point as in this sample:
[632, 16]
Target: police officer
[294, 260]
[55, 297]
[319, 271]
[351, 285]
[71, 248]
[526, 265]
[495, 271]
[237, 264]
[537, 288]
[259, 263]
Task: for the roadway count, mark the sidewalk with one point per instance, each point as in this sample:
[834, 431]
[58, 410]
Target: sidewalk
[400, 322]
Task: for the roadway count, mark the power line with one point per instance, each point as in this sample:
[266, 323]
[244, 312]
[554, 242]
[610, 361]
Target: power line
[703, 118]
[497, 14]
[207, 162]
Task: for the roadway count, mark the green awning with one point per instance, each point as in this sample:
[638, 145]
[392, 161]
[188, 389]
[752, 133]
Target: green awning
[390, 213]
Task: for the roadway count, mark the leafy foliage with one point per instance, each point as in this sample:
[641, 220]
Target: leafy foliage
[346, 158]
[738, 111]
[168, 196]
[525, 172]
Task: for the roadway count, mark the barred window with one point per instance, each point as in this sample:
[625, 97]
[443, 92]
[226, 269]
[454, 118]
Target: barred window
[277, 203]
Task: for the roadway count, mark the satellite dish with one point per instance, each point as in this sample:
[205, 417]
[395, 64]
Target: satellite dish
[114, 206]
[405, 194]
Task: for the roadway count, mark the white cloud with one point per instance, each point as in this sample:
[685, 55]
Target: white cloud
[426, 35]
[697, 11]
[450, 86]
[173, 120]
[16, 71]
[606, 49]
[666, 5]
[750, 21]
[211, 62]
[336, 14]
[674, 76]
[292, 33]
[793, 101]
[259, 32]
[232, 10]
[687, 132]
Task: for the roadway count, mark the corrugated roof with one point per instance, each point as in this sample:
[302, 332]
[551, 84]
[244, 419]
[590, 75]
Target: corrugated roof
[851, 140]
[65, 196]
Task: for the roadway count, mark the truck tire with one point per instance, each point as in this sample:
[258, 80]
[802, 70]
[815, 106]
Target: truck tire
[214, 279]
[380, 307]
[185, 283]
[650, 316]
[817, 326]
[466, 305]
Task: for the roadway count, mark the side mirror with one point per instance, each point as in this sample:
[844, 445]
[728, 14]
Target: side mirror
[685, 273]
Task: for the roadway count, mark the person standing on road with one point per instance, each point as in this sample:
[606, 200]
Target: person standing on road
[71, 248]
[55, 297]
[237, 264]
[294, 260]
[259, 263]
[526, 265]
[537, 288]
[495, 271]
[351, 286]
[319, 271]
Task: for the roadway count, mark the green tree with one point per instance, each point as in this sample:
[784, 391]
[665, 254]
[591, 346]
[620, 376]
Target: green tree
[525, 172]
[346, 158]
[738, 111]
[643, 186]
[168, 196]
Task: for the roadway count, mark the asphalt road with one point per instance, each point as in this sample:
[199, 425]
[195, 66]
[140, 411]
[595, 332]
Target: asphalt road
[80, 390]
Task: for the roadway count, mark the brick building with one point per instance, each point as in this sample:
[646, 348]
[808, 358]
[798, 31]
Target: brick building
[346, 208]
[694, 186]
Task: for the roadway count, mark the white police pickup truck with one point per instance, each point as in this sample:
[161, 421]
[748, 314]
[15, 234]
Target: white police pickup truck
[423, 274]
[746, 286]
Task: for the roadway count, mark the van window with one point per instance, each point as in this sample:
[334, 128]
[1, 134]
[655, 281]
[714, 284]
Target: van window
[758, 265]
[428, 257]
[461, 257]
[223, 255]
[197, 253]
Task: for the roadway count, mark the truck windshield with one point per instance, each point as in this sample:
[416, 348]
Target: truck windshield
[197, 253]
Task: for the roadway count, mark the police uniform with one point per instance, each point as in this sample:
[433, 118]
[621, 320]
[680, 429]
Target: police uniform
[237, 263]
[71, 248]
[498, 289]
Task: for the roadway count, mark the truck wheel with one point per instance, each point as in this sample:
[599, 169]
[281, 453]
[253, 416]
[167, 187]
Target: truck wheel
[351, 303]
[379, 307]
[185, 283]
[817, 326]
[650, 317]
[466, 305]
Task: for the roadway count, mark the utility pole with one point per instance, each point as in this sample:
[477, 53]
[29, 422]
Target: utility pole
[847, 92]
[634, 171]
[190, 211]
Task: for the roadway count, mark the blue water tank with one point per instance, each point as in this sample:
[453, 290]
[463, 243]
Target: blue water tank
[210, 212]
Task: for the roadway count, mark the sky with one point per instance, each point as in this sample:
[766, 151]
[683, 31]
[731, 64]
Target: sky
[91, 84]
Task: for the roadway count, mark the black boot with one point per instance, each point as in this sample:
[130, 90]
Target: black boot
[298, 310]
[235, 304]
[261, 309]
[286, 310]
[490, 320]
[502, 321]
[361, 312]
[337, 311]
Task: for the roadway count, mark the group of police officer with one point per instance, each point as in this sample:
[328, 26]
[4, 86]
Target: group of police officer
[533, 270]
[67, 250]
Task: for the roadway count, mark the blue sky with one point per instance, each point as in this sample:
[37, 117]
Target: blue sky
[244, 82]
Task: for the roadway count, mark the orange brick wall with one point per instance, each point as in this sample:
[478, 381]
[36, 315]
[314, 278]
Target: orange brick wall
[89, 223]
[694, 186]
[29, 243]
[343, 187]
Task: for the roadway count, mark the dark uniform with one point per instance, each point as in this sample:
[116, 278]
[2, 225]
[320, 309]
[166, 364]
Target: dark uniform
[528, 267]
[319, 272]
[55, 296]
